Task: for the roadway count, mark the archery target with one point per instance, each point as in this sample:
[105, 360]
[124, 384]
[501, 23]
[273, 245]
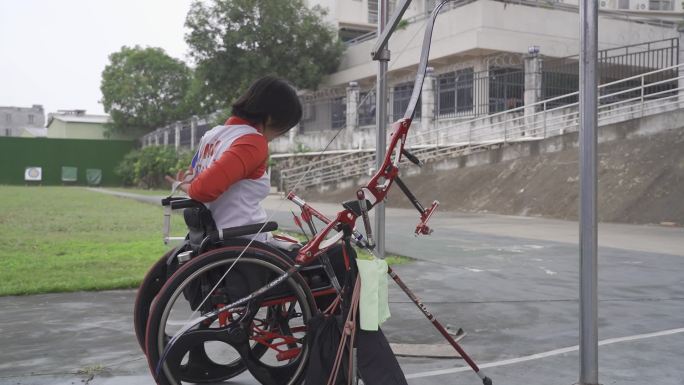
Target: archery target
[33, 174]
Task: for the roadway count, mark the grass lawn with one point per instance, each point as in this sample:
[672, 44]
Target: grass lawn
[155, 192]
[67, 238]
[58, 239]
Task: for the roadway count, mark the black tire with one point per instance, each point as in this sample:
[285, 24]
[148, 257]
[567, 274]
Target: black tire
[150, 286]
[256, 267]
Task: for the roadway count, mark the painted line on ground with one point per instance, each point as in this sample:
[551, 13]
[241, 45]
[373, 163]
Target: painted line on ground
[549, 353]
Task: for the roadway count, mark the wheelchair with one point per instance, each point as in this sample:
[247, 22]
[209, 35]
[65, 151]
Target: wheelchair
[212, 268]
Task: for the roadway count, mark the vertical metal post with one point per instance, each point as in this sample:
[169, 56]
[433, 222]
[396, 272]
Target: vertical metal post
[193, 132]
[381, 120]
[642, 95]
[544, 120]
[588, 103]
[177, 134]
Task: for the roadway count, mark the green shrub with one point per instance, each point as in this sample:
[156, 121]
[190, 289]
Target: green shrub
[147, 167]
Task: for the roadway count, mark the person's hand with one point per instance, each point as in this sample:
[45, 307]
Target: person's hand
[180, 177]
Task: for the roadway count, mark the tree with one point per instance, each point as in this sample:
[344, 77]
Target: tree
[233, 42]
[144, 88]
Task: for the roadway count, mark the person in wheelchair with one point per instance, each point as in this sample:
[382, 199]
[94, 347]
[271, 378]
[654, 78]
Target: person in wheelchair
[230, 166]
[228, 175]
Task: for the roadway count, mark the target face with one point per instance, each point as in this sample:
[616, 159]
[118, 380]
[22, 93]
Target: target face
[33, 174]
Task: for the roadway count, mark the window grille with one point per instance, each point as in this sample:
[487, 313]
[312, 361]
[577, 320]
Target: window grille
[400, 101]
[367, 108]
[338, 113]
[455, 93]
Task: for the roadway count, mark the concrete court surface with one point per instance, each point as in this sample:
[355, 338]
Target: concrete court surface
[510, 282]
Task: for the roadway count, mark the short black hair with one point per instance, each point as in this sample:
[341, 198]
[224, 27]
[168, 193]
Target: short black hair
[271, 97]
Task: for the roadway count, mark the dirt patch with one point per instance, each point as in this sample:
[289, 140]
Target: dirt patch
[641, 180]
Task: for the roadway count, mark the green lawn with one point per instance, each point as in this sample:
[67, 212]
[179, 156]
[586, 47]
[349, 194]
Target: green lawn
[58, 239]
[154, 192]
[68, 238]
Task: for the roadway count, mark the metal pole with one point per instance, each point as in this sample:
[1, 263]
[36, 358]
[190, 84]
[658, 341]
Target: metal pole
[588, 104]
[381, 121]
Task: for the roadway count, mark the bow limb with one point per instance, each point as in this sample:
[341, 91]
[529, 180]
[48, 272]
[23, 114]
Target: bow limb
[422, 65]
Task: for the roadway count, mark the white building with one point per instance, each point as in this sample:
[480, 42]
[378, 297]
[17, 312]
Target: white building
[22, 121]
[480, 59]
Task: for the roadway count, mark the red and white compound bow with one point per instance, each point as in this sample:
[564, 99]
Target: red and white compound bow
[342, 226]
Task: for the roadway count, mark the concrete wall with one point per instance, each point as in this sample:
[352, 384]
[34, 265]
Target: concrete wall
[644, 126]
[362, 138]
[14, 119]
[484, 27]
[355, 12]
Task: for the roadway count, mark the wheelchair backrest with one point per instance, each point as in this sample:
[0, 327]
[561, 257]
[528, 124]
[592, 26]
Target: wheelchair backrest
[200, 223]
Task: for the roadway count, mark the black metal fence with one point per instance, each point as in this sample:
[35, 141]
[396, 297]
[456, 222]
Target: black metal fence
[401, 96]
[465, 93]
[561, 76]
[367, 101]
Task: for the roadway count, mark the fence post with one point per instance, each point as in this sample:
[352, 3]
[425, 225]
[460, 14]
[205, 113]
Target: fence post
[166, 136]
[156, 138]
[193, 131]
[176, 138]
[291, 135]
[680, 61]
[642, 96]
[427, 96]
[544, 106]
[352, 113]
[481, 92]
[533, 85]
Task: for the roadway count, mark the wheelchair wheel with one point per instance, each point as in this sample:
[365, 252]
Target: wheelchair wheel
[149, 288]
[267, 336]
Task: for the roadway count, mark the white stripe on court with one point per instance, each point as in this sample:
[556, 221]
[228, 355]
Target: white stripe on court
[549, 353]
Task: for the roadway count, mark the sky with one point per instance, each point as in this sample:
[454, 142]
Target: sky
[52, 52]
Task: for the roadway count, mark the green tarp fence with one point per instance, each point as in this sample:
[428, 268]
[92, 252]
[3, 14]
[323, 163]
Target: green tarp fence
[61, 161]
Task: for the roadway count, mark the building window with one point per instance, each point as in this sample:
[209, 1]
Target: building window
[338, 113]
[464, 90]
[30, 119]
[367, 108]
[661, 5]
[400, 101]
[446, 86]
[455, 90]
[372, 11]
[506, 89]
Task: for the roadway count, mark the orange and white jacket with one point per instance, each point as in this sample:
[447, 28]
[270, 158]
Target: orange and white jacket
[231, 175]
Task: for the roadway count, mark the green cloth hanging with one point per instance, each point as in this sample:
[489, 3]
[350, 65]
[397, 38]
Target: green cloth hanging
[374, 301]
